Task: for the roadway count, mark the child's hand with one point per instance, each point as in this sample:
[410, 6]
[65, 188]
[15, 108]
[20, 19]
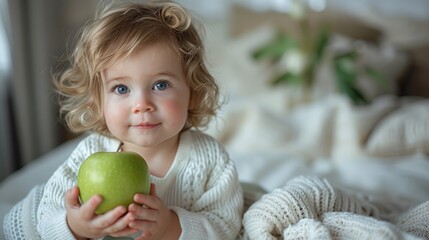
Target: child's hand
[153, 217]
[84, 223]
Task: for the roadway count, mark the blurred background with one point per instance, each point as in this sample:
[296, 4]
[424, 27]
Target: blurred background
[36, 35]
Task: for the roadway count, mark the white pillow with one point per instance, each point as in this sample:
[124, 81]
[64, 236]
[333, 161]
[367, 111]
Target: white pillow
[404, 131]
[353, 125]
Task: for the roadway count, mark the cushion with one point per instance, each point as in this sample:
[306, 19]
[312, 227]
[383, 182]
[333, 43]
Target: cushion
[404, 131]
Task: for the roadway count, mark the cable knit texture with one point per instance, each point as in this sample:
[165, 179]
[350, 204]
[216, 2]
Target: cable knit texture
[310, 208]
[202, 187]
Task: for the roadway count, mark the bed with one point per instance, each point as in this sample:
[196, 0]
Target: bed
[298, 149]
[282, 143]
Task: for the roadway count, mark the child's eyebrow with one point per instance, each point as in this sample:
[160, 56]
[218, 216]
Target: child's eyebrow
[119, 78]
[158, 74]
[167, 73]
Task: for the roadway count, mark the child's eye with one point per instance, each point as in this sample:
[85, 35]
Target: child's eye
[121, 89]
[161, 85]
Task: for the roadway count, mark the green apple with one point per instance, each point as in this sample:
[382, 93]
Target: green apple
[116, 176]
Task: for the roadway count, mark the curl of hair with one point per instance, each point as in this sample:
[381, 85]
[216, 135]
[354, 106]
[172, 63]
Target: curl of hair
[115, 33]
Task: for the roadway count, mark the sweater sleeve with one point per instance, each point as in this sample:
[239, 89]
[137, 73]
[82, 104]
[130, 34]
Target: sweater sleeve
[19, 222]
[213, 193]
[51, 214]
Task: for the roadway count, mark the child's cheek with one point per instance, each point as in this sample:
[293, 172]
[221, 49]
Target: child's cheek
[176, 110]
[114, 110]
[175, 107]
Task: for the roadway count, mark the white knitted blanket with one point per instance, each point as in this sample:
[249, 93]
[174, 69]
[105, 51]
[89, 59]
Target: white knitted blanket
[310, 208]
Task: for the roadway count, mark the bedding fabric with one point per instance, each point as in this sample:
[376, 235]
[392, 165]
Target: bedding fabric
[310, 208]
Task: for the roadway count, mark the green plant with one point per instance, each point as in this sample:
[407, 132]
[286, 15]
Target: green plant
[344, 65]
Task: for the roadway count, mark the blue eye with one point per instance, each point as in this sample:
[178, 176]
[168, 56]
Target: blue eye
[121, 89]
[162, 85]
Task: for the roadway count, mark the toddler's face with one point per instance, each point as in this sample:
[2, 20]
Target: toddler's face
[146, 97]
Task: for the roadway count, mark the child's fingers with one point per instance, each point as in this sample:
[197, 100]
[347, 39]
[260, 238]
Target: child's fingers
[109, 218]
[120, 226]
[147, 198]
[149, 201]
[143, 212]
[72, 197]
[88, 208]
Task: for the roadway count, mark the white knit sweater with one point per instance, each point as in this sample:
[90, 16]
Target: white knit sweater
[202, 187]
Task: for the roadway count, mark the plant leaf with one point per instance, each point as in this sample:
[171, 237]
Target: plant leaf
[316, 55]
[276, 48]
[345, 66]
[377, 76]
[346, 80]
[320, 46]
[352, 55]
[287, 78]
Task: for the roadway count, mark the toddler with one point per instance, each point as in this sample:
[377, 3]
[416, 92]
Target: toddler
[137, 82]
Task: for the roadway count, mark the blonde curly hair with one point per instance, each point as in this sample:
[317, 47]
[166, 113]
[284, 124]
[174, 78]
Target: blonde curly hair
[114, 33]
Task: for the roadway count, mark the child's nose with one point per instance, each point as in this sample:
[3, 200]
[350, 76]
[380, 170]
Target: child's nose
[143, 104]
